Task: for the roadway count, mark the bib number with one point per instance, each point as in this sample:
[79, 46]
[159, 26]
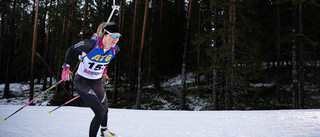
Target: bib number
[96, 66]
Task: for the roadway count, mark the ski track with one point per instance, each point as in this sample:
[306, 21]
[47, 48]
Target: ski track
[67, 121]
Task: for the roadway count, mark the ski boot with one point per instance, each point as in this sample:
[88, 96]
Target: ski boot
[106, 133]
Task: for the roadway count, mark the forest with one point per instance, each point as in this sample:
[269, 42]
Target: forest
[229, 47]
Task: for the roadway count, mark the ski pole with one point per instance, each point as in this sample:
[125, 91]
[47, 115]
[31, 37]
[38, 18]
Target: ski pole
[4, 119]
[54, 75]
[73, 99]
[64, 104]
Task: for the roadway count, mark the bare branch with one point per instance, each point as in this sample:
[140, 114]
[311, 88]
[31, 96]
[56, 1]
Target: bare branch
[312, 42]
[312, 1]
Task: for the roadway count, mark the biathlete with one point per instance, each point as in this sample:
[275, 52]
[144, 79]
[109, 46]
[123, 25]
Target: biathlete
[91, 75]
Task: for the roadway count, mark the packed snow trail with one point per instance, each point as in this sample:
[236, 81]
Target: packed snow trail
[34, 121]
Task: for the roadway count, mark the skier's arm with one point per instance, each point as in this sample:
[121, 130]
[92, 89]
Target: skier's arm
[83, 46]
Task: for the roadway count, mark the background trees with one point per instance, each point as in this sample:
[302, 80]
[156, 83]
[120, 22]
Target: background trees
[233, 46]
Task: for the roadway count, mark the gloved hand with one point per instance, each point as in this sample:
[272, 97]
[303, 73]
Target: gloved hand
[105, 78]
[65, 76]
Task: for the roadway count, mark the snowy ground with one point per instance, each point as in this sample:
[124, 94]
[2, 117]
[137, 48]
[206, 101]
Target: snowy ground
[34, 121]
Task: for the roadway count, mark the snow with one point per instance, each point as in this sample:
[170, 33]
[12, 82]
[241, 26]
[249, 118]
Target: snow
[68, 121]
[21, 95]
[176, 81]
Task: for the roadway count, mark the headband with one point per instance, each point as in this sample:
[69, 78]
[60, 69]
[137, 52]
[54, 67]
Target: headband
[111, 29]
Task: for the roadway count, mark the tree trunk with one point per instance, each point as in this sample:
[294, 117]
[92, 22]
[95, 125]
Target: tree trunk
[116, 66]
[140, 72]
[22, 25]
[2, 36]
[295, 80]
[84, 19]
[43, 48]
[231, 41]
[131, 79]
[301, 59]
[34, 45]
[215, 92]
[278, 97]
[115, 82]
[7, 80]
[69, 33]
[184, 68]
[65, 19]
[47, 45]
[69, 29]
[199, 40]
[12, 38]
[158, 52]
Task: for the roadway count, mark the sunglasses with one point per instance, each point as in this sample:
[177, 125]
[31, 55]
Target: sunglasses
[113, 35]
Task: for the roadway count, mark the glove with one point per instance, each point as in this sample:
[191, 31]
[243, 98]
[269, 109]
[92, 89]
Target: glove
[65, 76]
[105, 78]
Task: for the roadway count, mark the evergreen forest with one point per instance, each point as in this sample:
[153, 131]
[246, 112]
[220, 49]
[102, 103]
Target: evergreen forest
[242, 54]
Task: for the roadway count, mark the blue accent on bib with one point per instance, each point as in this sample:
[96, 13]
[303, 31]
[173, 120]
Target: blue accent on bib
[98, 55]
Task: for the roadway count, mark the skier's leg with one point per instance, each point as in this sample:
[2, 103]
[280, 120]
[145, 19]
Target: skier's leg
[104, 121]
[91, 99]
[101, 93]
[104, 130]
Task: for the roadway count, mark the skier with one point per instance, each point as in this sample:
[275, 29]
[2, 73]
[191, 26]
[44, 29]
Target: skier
[91, 75]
